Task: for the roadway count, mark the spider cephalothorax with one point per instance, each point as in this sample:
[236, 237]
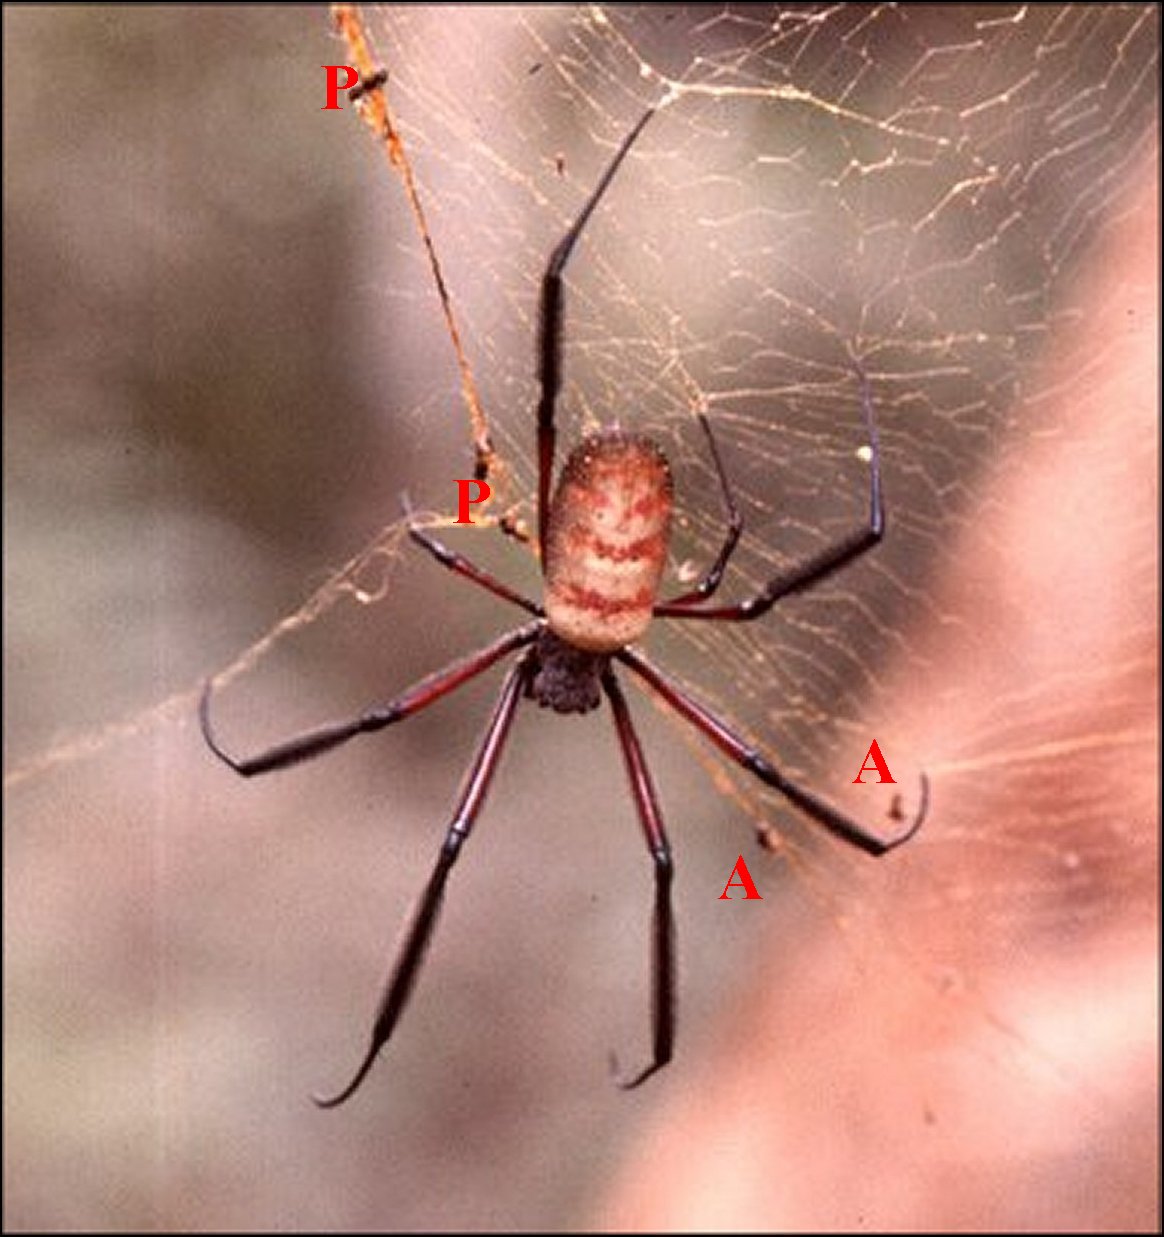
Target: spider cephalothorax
[564, 678]
[604, 546]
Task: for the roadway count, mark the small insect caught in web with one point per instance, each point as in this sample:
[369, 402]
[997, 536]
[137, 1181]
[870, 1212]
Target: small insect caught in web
[603, 530]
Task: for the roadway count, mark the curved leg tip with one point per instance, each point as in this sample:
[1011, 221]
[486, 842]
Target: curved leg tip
[636, 1080]
[239, 766]
[204, 708]
[916, 823]
[204, 723]
[332, 1101]
[341, 1097]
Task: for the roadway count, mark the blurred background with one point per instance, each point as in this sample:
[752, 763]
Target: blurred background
[224, 359]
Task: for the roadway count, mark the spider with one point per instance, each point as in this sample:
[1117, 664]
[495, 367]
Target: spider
[603, 538]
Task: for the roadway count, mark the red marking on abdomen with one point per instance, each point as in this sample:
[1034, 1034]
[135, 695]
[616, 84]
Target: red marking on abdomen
[601, 604]
[583, 540]
[607, 540]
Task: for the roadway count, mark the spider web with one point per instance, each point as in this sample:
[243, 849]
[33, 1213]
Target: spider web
[821, 182]
[917, 187]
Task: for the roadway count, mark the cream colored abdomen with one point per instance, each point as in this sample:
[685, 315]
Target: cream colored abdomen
[607, 541]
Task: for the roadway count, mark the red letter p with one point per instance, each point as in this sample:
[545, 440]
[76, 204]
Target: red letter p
[464, 501]
[334, 86]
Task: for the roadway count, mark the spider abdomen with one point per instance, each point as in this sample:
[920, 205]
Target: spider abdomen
[606, 544]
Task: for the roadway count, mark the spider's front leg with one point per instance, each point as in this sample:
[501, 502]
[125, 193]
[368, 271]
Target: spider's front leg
[711, 578]
[812, 570]
[461, 565]
[663, 935]
[550, 315]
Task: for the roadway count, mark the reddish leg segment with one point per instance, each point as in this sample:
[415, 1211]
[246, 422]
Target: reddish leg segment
[462, 566]
[744, 754]
[663, 932]
[420, 929]
[419, 696]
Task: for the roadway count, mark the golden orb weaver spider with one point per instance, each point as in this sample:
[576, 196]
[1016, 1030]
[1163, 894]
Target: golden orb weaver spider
[603, 537]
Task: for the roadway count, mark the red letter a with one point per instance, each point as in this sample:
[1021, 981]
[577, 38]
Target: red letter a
[874, 755]
[745, 882]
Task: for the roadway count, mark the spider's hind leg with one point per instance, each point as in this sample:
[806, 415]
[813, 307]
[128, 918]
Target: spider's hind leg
[420, 930]
[663, 931]
[745, 755]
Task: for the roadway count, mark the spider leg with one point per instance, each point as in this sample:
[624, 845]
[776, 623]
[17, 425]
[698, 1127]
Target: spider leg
[744, 754]
[550, 330]
[463, 566]
[663, 935]
[714, 574]
[420, 928]
[816, 568]
[418, 696]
